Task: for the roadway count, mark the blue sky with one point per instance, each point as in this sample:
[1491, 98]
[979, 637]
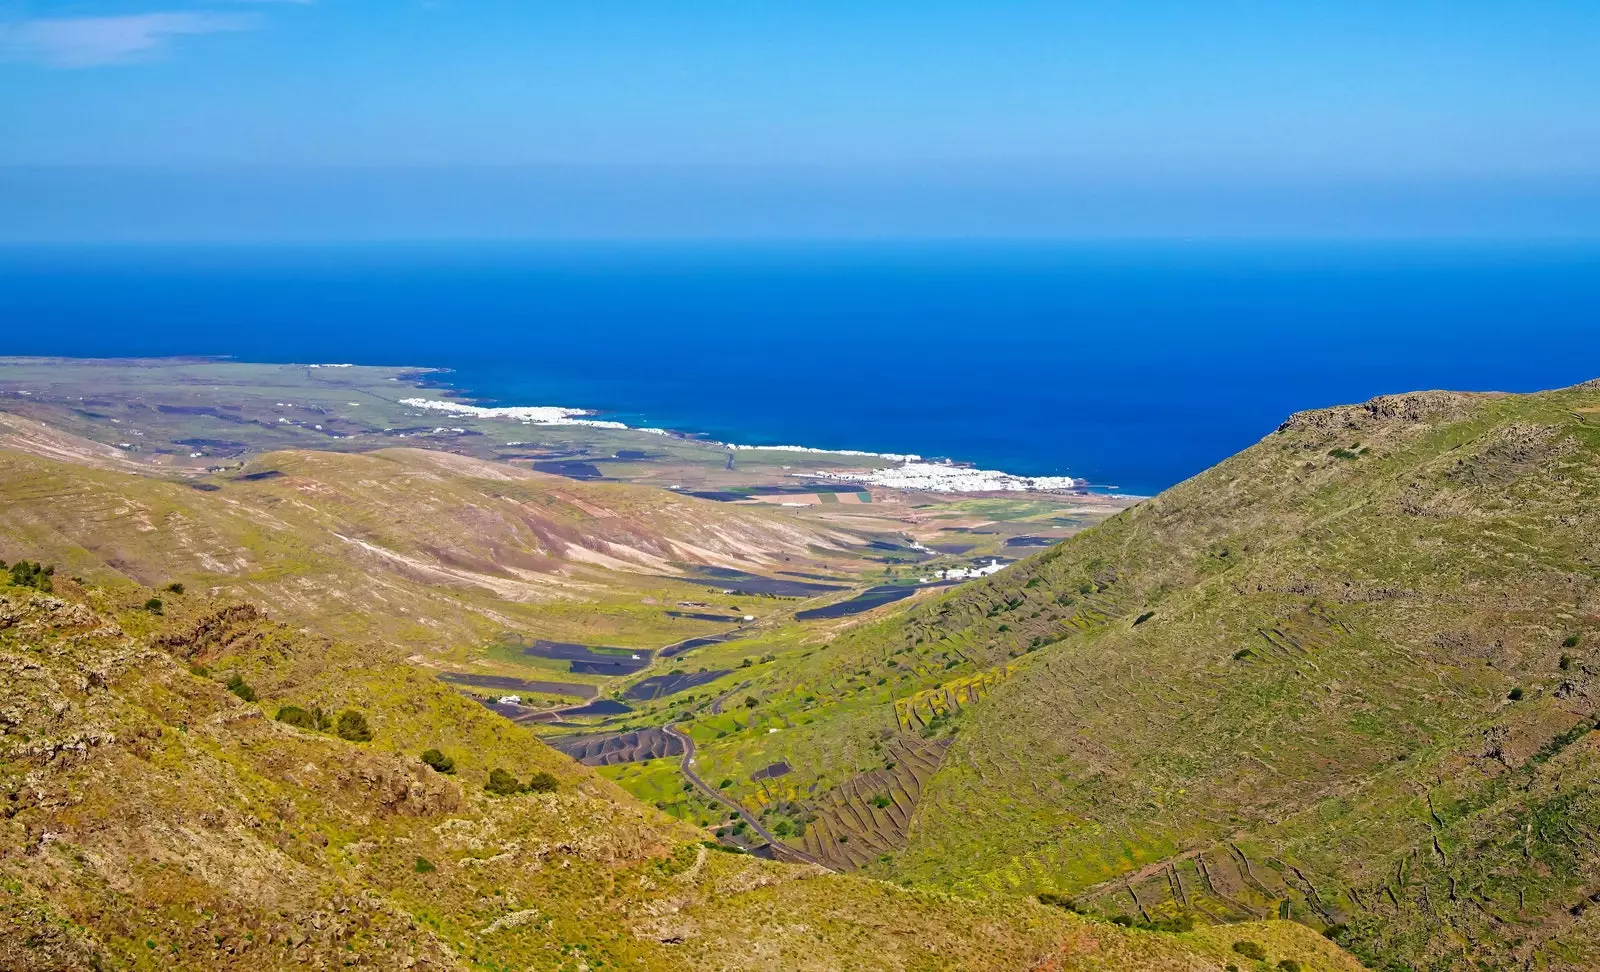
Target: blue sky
[772, 118]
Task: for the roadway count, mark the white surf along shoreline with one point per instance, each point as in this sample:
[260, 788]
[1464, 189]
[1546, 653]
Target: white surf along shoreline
[910, 472]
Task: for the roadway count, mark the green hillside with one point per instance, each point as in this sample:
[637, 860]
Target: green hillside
[155, 815]
[1345, 676]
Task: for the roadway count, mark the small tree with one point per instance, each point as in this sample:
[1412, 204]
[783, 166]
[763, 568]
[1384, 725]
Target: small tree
[238, 686]
[175, 587]
[751, 701]
[1251, 950]
[353, 726]
[439, 761]
[153, 605]
[34, 575]
[502, 783]
[542, 782]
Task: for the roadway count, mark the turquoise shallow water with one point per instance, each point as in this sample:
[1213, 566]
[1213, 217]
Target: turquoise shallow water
[1129, 364]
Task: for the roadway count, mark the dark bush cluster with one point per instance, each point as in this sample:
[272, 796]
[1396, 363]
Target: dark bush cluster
[1054, 900]
[154, 605]
[353, 726]
[350, 724]
[439, 761]
[34, 575]
[1251, 950]
[314, 720]
[502, 783]
[238, 686]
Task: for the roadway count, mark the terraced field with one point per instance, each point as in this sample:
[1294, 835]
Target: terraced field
[607, 748]
[869, 816]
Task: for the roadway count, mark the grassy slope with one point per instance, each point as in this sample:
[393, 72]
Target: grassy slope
[421, 548]
[153, 820]
[1282, 687]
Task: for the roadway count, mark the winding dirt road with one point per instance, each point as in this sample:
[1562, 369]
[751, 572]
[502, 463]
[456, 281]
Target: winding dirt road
[779, 848]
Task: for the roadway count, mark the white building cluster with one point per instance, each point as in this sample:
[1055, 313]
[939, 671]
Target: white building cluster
[948, 477]
[527, 414]
[966, 573]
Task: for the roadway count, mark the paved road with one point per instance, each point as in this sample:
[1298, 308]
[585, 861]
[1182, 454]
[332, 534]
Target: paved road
[779, 848]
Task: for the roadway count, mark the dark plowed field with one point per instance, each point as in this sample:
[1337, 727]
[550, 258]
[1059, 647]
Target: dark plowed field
[591, 659]
[741, 583]
[692, 616]
[1032, 541]
[661, 686]
[509, 684]
[772, 772]
[606, 748]
[694, 643]
[865, 601]
[599, 707]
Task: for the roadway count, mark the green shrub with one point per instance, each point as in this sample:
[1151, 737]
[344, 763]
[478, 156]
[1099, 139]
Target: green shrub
[1141, 619]
[1289, 965]
[751, 701]
[153, 605]
[423, 866]
[175, 587]
[299, 718]
[238, 686]
[1123, 920]
[1251, 950]
[1571, 642]
[1515, 694]
[200, 671]
[353, 726]
[1058, 901]
[781, 829]
[541, 782]
[439, 761]
[1566, 662]
[34, 575]
[880, 801]
[502, 783]
[1242, 654]
[724, 784]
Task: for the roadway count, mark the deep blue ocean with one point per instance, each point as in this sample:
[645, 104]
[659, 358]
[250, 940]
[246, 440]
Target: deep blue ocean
[1135, 365]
